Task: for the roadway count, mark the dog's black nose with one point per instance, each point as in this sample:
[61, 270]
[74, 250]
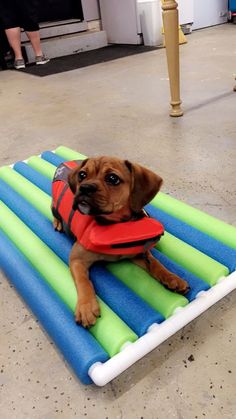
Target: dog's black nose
[88, 188]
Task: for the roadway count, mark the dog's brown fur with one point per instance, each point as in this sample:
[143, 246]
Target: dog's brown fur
[112, 203]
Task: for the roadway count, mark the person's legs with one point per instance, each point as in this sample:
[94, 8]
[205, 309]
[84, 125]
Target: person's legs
[34, 38]
[11, 23]
[13, 36]
[29, 12]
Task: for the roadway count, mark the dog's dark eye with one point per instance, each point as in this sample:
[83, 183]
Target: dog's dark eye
[82, 175]
[113, 179]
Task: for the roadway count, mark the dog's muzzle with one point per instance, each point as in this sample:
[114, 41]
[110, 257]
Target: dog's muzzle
[88, 189]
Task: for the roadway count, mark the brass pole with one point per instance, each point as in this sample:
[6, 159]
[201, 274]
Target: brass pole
[171, 30]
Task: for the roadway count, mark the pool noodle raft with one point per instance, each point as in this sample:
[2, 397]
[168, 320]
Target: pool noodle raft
[35, 199]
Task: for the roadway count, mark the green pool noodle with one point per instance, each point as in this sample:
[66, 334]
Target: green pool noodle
[69, 154]
[192, 259]
[110, 331]
[42, 166]
[39, 199]
[150, 290]
[204, 222]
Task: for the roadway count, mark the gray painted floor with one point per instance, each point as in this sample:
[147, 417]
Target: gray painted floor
[121, 108]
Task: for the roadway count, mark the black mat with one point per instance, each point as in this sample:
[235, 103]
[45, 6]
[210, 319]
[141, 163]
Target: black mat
[85, 59]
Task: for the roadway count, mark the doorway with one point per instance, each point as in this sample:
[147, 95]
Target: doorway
[51, 10]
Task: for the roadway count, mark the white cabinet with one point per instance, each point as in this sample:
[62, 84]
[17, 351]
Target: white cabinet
[120, 21]
[185, 8]
[90, 9]
[209, 13]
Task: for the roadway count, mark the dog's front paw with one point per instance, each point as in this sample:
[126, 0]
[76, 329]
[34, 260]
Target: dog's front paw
[174, 283]
[86, 312]
[57, 225]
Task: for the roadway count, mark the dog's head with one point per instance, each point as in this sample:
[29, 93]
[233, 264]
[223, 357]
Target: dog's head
[112, 188]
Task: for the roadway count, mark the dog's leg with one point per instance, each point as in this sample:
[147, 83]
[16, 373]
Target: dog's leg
[87, 308]
[57, 225]
[161, 274]
[57, 221]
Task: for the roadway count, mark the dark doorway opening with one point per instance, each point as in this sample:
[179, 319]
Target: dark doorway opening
[51, 10]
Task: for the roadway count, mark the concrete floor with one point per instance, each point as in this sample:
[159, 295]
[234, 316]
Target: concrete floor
[121, 108]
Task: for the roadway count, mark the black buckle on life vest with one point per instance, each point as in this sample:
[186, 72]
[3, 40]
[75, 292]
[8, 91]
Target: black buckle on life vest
[146, 243]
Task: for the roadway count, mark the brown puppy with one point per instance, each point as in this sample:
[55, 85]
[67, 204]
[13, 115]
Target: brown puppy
[111, 190]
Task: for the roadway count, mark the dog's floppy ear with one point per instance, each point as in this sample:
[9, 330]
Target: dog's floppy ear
[145, 185]
[73, 176]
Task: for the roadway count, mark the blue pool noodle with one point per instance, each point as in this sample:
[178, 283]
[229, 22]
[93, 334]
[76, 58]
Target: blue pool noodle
[129, 306]
[132, 309]
[33, 176]
[39, 224]
[78, 346]
[201, 241]
[52, 158]
[196, 284]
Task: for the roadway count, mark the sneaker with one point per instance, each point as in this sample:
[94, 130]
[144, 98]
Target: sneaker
[20, 63]
[41, 59]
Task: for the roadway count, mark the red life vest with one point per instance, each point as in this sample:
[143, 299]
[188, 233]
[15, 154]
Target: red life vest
[124, 238]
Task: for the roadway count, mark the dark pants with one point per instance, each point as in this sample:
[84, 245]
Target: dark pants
[4, 48]
[19, 13]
